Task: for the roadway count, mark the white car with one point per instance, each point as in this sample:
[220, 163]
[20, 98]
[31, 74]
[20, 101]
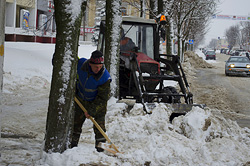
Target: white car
[244, 54]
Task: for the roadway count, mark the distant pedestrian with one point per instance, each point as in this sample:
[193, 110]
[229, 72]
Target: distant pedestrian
[247, 55]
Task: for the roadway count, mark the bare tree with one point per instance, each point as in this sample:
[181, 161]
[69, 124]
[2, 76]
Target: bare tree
[61, 100]
[213, 43]
[232, 35]
[245, 34]
[182, 9]
[168, 10]
[99, 13]
[142, 6]
[185, 12]
[195, 27]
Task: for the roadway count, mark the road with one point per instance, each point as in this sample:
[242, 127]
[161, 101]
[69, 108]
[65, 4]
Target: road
[228, 93]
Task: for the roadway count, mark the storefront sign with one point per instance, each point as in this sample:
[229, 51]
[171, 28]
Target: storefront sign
[87, 30]
[231, 17]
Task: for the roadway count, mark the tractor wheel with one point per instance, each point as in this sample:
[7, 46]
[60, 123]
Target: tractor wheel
[170, 99]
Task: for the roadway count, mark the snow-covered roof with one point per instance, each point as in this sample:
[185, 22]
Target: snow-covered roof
[135, 19]
[138, 19]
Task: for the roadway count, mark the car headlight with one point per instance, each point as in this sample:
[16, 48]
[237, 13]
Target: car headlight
[232, 65]
[248, 66]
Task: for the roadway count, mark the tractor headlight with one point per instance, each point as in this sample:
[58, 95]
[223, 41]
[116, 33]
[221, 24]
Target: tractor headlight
[248, 66]
[232, 65]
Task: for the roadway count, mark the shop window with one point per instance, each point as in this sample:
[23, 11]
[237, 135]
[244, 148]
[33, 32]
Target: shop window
[124, 11]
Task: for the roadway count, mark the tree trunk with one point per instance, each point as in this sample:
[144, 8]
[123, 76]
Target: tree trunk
[168, 37]
[178, 45]
[112, 40]
[142, 8]
[182, 49]
[160, 6]
[152, 9]
[61, 100]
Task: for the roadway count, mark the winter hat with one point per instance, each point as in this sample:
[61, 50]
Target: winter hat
[96, 57]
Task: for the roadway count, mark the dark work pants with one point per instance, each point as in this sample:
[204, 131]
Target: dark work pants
[79, 119]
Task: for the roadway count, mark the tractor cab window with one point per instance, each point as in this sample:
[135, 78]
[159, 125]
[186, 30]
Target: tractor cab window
[139, 36]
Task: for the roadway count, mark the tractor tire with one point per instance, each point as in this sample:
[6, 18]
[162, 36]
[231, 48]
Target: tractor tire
[171, 99]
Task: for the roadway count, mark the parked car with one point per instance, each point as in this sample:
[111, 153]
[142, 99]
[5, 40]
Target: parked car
[236, 53]
[228, 52]
[244, 54]
[225, 51]
[210, 55]
[237, 65]
[241, 50]
[204, 51]
[232, 52]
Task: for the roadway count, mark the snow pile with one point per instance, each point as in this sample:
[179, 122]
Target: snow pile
[193, 61]
[201, 137]
[196, 61]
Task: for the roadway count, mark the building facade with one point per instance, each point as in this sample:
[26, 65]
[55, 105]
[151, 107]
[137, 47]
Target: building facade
[30, 20]
[33, 20]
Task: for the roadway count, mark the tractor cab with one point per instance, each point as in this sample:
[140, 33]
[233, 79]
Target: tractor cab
[137, 34]
[141, 34]
[138, 51]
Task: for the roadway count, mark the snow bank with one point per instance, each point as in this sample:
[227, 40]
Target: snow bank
[198, 138]
[201, 137]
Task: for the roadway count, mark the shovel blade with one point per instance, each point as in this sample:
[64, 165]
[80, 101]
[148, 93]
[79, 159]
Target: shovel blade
[108, 147]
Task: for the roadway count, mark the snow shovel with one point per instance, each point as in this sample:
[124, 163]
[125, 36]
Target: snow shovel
[110, 148]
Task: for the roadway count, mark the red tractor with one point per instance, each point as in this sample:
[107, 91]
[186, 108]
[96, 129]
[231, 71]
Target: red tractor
[144, 73]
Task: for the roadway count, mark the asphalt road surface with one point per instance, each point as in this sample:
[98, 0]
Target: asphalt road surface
[228, 93]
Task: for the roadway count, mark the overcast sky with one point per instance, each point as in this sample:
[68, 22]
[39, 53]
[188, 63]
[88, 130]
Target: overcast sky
[217, 27]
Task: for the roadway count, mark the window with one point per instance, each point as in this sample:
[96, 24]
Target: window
[142, 36]
[124, 11]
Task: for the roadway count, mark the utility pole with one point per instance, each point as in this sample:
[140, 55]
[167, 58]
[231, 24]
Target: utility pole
[83, 21]
[2, 38]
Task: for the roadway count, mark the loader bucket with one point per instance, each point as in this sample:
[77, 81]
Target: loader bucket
[178, 109]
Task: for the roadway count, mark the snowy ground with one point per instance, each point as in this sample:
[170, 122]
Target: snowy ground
[201, 137]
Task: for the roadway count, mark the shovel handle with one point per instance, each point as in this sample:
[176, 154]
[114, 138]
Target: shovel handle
[96, 124]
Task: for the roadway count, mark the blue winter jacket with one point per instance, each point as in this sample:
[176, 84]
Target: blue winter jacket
[88, 82]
